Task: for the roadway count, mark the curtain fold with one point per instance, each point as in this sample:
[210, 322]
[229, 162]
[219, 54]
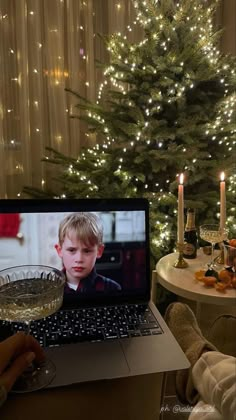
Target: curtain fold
[47, 46]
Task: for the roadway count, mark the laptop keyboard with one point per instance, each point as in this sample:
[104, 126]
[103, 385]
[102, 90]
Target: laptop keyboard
[90, 324]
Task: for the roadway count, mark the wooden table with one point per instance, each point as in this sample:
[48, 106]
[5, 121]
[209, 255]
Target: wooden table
[136, 398]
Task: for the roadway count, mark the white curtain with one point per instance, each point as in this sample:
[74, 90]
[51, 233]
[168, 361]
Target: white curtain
[45, 47]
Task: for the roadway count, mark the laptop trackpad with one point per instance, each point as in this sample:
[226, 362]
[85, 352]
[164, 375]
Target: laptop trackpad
[87, 362]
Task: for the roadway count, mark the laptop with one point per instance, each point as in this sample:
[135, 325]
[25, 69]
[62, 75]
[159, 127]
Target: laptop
[97, 334]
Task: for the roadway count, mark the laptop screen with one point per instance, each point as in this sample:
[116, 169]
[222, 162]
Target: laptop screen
[102, 245]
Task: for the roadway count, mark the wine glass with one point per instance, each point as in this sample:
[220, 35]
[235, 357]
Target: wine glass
[213, 234]
[29, 293]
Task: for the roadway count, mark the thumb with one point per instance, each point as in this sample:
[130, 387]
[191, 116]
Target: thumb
[17, 367]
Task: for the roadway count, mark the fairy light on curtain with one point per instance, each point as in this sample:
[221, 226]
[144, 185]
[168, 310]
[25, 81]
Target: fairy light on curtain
[44, 50]
[10, 140]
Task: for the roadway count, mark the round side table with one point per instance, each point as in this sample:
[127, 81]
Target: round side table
[182, 282]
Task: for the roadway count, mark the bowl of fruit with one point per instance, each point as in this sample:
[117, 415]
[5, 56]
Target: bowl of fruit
[225, 278]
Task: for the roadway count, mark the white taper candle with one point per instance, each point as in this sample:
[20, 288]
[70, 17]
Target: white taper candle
[222, 201]
[181, 210]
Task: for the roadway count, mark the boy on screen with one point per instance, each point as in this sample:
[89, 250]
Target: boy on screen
[80, 244]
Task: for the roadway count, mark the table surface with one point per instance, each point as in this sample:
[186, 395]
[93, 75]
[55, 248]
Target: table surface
[134, 398]
[182, 282]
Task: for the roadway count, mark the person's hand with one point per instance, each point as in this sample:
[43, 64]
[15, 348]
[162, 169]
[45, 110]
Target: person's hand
[16, 354]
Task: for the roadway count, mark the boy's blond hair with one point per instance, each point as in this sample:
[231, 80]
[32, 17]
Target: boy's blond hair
[86, 226]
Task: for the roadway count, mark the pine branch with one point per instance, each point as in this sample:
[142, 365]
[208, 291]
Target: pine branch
[168, 106]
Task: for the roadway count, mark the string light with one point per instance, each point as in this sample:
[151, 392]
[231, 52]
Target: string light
[127, 54]
[114, 48]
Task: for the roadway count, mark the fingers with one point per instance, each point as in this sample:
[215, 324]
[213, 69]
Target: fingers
[19, 365]
[16, 354]
[16, 345]
[9, 347]
[34, 346]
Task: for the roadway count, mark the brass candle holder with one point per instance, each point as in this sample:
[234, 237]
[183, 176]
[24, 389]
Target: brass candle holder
[180, 262]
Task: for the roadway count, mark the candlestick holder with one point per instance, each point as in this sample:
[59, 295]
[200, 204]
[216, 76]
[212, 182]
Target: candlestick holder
[180, 262]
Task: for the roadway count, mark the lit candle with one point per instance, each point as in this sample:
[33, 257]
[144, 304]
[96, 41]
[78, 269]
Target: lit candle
[222, 201]
[181, 210]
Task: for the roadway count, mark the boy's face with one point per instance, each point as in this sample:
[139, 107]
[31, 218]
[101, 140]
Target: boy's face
[78, 258]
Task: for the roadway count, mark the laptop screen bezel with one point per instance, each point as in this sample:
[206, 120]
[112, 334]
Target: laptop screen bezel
[96, 205]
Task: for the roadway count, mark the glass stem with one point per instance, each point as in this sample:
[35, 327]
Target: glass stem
[27, 330]
[212, 254]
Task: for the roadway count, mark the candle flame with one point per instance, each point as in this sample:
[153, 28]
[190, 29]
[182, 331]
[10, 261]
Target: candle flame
[181, 179]
[222, 176]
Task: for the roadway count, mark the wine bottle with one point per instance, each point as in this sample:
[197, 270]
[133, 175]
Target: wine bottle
[190, 236]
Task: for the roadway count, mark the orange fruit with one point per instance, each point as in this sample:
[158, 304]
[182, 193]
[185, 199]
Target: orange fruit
[234, 282]
[232, 242]
[199, 275]
[225, 276]
[209, 280]
[220, 287]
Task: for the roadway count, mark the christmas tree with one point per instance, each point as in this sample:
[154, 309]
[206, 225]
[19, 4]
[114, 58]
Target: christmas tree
[166, 106]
